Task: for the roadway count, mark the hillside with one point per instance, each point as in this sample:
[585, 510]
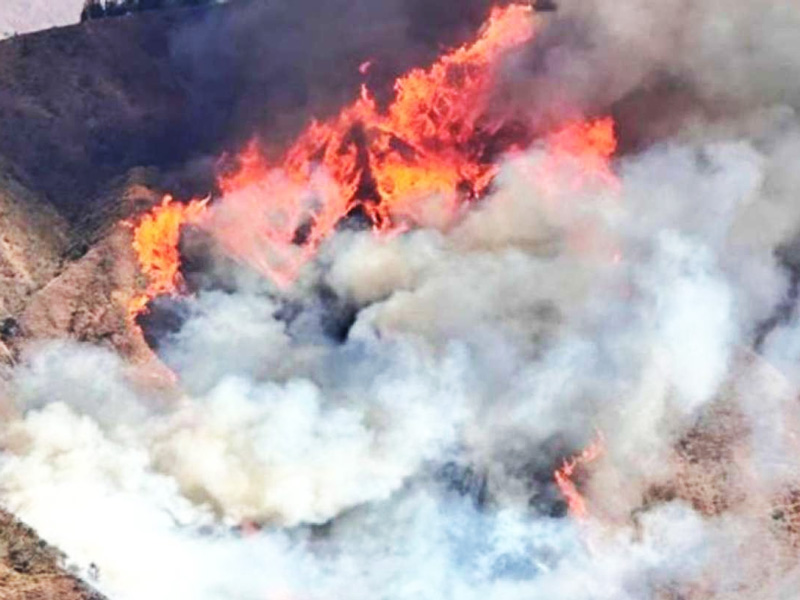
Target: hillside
[101, 118]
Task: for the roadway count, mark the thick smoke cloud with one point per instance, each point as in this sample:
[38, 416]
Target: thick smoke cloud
[413, 456]
[662, 68]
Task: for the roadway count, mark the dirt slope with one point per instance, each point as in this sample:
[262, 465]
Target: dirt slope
[30, 569]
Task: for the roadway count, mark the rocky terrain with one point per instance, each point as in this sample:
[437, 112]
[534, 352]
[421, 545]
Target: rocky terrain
[30, 569]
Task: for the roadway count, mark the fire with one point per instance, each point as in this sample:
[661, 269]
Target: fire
[155, 240]
[593, 142]
[563, 476]
[588, 145]
[418, 161]
[273, 220]
[428, 147]
[436, 113]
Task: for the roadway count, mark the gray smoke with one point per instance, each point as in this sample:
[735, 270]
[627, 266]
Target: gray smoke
[412, 457]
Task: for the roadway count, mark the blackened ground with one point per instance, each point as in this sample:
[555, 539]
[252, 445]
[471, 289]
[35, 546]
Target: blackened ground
[164, 316]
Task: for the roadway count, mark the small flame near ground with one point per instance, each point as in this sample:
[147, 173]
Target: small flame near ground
[576, 503]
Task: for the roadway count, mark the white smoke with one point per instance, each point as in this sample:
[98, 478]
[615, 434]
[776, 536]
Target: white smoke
[414, 459]
[727, 57]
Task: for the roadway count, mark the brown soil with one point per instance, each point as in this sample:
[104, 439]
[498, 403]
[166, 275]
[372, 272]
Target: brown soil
[31, 569]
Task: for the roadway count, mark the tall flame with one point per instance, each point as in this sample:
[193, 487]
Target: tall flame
[416, 162]
[155, 239]
[391, 164]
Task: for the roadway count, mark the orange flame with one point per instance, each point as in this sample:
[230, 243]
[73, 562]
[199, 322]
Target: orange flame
[563, 476]
[589, 145]
[419, 160]
[155, 240]
[421, 154]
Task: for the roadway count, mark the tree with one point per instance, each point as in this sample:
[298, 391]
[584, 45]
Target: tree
[98, 9]
[92, 9]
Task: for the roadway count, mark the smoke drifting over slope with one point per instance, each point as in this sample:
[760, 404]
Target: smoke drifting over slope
[412, 454]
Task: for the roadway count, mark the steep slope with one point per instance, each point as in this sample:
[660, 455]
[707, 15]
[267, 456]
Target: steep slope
[30, 569]
[89, 102]
[33, 239]
[84, 107]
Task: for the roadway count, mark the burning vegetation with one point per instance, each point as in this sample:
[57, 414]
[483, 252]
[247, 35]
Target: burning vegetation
[155, 241]
[434, 147]
[430, 153]
[518, 322]
[430, 146]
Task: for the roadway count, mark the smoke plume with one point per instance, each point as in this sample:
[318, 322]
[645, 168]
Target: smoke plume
[390, 424]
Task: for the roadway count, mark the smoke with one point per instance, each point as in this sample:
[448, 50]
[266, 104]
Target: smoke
[411, 453]
[662, 69]
[266, 68]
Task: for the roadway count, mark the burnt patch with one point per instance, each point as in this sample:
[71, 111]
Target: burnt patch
[164, 316]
